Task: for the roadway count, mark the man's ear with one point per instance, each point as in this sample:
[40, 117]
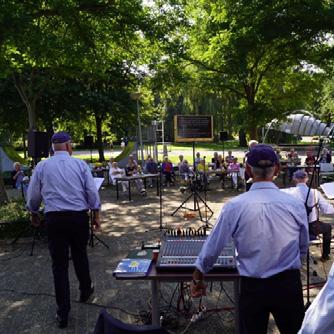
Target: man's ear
[249, 170]
[277, 169]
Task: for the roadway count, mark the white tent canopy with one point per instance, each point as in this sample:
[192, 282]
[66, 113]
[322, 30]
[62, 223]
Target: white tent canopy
[301, 125]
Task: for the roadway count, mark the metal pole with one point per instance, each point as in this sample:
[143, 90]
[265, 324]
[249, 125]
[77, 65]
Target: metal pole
[140, 135]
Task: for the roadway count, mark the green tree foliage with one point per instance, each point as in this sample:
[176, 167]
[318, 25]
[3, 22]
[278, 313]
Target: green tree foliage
[245, 45]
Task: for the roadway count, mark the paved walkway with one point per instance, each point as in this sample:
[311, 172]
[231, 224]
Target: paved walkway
[27, 303]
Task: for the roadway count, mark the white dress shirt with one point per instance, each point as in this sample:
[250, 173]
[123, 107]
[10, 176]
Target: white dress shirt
[300, 191]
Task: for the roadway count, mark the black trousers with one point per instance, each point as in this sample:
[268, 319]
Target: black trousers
[281, 295]
[66, 230]
[325, 229]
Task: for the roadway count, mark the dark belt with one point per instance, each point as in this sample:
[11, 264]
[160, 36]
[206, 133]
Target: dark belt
[282, 275]
[64, 213]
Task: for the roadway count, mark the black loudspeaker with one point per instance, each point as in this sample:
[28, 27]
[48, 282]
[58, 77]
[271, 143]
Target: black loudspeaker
[38, 144]
[223, 135]
[89, 141]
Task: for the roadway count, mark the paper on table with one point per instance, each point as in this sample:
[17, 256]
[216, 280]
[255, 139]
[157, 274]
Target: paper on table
[328, 189]
[98, 182]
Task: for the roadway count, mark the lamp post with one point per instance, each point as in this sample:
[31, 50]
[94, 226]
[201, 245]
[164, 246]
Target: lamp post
[136, 96]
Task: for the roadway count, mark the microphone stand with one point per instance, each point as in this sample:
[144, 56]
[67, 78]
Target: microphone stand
[93, 235]
[308, 211]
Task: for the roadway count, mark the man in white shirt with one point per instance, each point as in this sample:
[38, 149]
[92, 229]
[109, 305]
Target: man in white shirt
[316, 203]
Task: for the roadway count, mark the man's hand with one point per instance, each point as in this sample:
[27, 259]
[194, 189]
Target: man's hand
[197, 288]
[35, 220]
[96, 220]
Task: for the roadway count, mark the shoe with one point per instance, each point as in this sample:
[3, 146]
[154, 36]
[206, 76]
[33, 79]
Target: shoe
[325, 258]
[61, 322]
[85, 295]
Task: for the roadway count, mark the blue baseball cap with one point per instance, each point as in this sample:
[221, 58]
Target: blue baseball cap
[262, 156]
[300, 174]
[60, 137]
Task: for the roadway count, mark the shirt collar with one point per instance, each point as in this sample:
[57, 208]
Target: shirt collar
[263, 185]
[61, 153]
[301, 185]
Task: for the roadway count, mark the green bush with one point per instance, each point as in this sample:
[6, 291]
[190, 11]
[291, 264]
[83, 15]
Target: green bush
[13, 211]
[13, 218]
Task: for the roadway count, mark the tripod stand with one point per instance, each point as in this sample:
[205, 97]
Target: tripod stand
[159, 180]
[196, 201]
[36, 235]
[309, 210]
[93, 236]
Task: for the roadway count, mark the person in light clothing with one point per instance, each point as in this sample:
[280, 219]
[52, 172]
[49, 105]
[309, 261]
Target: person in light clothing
[116, 172]
[316, 203]
[319, 317]
[233, 169]
[67, 189]
[270, 232]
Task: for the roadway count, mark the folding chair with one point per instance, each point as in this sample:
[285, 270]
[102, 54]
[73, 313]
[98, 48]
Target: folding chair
[107, 324]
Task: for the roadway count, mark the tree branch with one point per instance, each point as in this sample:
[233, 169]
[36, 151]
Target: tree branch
[89, 8]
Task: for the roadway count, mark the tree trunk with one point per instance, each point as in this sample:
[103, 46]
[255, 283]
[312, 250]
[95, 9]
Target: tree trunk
[98, 121]
[3, 193]
[31, 108]
[242, 138]
[24, 146]
[253, 133]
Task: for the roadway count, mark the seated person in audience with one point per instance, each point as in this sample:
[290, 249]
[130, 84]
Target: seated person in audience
[325, 156]
[132, 170]
[278, 153]
[17, 175]
[151, 167]
[293, 161]
[309, 161]
[203, 171]
[229, 158]
[202, 167]
[197, 159]
[116, 172]
[181, 159]
[167, 171]
[233, 169]
[185, 172]
[221, 169]
[221, 162]
[215, 161]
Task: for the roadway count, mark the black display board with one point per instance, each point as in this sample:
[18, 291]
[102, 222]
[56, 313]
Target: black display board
[193, 128]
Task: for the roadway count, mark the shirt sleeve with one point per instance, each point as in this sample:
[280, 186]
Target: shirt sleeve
[324, 206]
[93, 197]
[319, 316]
[304, 238]
[34, 196]
[220, 235]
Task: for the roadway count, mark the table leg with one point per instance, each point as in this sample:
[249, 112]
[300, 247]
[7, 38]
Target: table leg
[236, 286]
[155, 285]
[129, 188]
[158, 185]
[117, 194]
